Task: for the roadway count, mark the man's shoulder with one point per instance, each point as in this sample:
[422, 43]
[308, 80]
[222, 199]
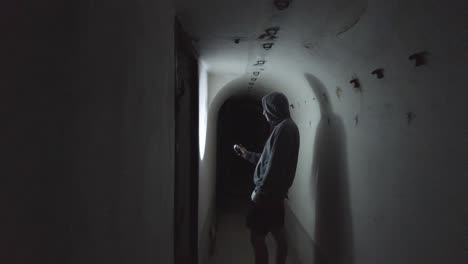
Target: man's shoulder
[288, 125]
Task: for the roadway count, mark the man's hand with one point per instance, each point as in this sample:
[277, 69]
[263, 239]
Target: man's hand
[240, 150]
[253, 196]
[257, 198]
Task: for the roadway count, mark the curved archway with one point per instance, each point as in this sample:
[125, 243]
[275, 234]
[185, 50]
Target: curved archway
[306, 110]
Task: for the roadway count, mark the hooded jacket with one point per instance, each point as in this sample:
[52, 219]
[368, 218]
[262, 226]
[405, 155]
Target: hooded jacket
[276, 165]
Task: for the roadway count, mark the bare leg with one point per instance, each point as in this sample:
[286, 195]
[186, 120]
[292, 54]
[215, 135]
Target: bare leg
[281, 246]
[260, 248]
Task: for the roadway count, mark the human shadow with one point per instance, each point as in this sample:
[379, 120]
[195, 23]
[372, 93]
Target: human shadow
[330, 184]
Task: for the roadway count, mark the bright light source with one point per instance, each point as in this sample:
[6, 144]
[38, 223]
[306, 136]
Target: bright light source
[202, 107]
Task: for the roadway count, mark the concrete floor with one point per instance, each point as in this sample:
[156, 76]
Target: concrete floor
[232, 241]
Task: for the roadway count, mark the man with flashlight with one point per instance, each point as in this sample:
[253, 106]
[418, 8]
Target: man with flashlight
[274, 174]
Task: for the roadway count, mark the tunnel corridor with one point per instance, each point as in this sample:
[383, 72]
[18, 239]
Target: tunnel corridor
[365, 84]
[119, 119]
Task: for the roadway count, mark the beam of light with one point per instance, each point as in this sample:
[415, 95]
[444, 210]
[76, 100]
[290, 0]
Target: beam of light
[202, 108]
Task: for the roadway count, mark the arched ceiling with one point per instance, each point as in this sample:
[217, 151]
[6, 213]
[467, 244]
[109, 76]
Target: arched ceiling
[248, 38]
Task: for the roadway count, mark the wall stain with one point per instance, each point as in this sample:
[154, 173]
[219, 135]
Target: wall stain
[339, 92]
[410, 117]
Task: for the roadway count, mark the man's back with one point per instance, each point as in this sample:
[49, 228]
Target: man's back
[276, 168]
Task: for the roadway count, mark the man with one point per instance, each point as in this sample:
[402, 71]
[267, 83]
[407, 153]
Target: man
[274, 174]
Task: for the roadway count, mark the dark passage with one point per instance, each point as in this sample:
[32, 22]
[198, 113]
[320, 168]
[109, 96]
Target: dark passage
[240, 122]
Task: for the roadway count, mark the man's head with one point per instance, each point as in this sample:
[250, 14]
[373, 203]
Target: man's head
[275, 107]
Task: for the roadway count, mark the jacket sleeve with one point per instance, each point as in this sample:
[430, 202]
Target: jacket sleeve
[275, 179]
[253, 157]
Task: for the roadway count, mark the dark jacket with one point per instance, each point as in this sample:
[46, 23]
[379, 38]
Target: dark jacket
[276, 165]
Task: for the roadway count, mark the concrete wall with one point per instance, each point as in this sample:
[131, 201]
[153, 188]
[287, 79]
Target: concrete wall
[382, 188]
[87, 101]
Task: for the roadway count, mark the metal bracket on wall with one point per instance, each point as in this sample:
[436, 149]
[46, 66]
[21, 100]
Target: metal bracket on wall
[356, 83]
[379, 72]
[420, 58]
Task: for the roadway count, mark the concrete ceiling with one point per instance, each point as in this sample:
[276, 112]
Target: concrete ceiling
[302, 25]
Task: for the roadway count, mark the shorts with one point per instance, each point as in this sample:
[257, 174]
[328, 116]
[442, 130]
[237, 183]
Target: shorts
[265, 217]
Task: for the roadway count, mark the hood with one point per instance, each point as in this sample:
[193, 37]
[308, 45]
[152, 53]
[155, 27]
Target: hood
[276, 107]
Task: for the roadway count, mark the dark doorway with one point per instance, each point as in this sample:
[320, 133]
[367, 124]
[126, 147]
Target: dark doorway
[186, 156]
[240, 121]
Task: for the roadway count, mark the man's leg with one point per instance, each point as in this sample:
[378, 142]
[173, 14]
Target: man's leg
[281, 245]
[260, 248]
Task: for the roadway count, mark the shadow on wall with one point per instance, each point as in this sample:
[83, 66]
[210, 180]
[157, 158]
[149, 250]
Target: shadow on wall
[333, 230]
